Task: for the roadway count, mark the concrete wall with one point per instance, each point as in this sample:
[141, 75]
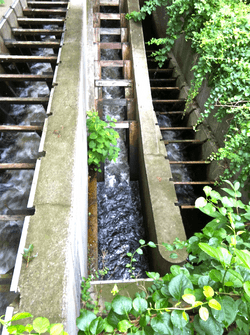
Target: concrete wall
[50, 285]
[162, 218]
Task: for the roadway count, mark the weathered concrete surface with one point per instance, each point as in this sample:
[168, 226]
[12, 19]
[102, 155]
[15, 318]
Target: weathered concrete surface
[50, 285]
[162, 217]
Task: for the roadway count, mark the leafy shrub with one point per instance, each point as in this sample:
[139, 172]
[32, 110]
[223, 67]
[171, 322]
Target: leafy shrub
[210, 294]
[219, 32]
[101, 140]
[39, 325]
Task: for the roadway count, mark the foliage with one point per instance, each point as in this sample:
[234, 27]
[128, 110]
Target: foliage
[138, 251]
[219, 32]
[102, 139]
[39, 325]
[212, 289]
[1, 2]
[27, 254]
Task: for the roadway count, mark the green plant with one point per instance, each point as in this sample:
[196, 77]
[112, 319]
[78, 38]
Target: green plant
[39, 325]
[27, 254]
[138, 251]
[102, 140]
[219, 32]
[208, 295]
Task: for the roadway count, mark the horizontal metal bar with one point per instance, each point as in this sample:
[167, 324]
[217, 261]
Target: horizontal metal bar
[20, 128]
[187, 206]
[165, 88]
[26, 59]
[168, 101]
[176, 128]
[44, 11]
[172, 112]
[17, 166]
[26, 77]
[24, 100]
[47, 3]
[23, 31]
[163, 79]
[110, 82]
[31, 44]
[194, 182]
[40, 21]
[182, 141]
[188, 162]
[161, 70]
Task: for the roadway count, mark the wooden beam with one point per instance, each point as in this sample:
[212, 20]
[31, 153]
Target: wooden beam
[17, 166]
[25, 100]
[26, 77]
[20, 128]
[27, 59]
[23, 31]
[32, 44]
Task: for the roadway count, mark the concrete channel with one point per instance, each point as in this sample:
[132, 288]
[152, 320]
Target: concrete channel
[58, 229]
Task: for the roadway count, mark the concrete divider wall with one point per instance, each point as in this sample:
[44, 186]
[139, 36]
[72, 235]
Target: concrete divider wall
[162, 218]
[50, 285]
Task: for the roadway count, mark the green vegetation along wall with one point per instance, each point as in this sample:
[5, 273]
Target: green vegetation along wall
[219, 34]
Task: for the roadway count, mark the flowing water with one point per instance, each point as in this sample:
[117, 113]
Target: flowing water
[19, 147]
[120, 221]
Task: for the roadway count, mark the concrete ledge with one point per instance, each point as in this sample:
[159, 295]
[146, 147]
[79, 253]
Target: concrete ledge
[162, 218]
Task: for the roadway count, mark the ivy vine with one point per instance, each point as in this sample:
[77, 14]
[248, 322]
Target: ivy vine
[219, 31]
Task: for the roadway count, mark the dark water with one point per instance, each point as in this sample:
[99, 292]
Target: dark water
[120, 221]
[120, 225]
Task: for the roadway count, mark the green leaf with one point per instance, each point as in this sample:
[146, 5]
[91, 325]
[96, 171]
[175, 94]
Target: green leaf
[246, 287]
[178, 320]
[214, 304]
[93, 136]
[211, 326]
[17, 329]
[142, 242]
[83, 321]
[28, 328]
[161, 324]
[140, 305]
[189, 298]
[228, 311]
[92, 144]
[41, 325]
[151, 244]
[208, 291]
[96, 326]
[153, 275]
[144, 320]
[124, 325]
[215, 275]
[114, 318]
[20, 316]
[107, 327]
[56, 329]
[203, 313]
[161, 303]
[139, 251]
[243, 257]
[177, 286]
[121, 305]
[211, 251]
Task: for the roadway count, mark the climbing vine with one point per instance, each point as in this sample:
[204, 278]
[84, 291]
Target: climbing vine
[219, 31]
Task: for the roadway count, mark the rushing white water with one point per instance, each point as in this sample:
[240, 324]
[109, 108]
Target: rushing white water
[20, 147]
